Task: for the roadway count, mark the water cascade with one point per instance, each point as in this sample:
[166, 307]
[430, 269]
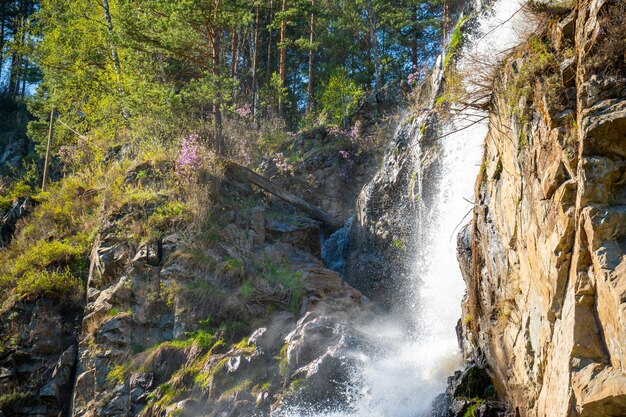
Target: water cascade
[412, 366]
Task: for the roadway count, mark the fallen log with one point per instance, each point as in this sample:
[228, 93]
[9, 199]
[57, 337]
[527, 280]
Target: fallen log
[244, 174]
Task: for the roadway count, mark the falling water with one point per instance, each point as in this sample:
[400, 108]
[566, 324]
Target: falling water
[404, 380]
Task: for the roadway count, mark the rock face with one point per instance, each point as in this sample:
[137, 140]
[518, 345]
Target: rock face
[159, 324]
[545, 258]
[37, 363]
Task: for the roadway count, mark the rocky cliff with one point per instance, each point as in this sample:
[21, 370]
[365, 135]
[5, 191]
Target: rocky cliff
[545, 257]
[240, 319]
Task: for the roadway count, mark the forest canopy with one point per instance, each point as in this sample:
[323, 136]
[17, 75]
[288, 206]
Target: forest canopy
[110, 69]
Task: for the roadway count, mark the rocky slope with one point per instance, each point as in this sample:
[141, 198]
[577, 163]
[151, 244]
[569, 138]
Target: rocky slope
[243, 320]
[544, 258]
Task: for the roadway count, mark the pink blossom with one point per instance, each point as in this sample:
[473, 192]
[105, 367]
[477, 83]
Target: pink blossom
[190, 158]
[245, 111]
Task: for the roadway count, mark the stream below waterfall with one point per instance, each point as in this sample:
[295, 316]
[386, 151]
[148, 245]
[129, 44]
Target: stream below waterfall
[411, 368]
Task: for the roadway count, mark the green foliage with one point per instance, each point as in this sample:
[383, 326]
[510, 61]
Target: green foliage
[290, 282]
[283, 362]
[53, 284]
[340, 98]
[246, 290]
[46, 253]
[164, 217]
[471, 410]
[456, 43]
[200, 338]
[5, 203]
[118, 374]
[13, 399]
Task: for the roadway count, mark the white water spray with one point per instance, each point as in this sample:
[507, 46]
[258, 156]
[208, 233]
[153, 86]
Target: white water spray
[404, 380]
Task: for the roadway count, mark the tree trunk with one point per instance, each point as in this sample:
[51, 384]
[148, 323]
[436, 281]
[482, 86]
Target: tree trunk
[114, 55]
[309, 102]
[446, 21]
[2, 34]
[24, 75]
[378, 74]
[233, 52]
[269, 43]
[255, 56]
[252, 177]
[44, 183]
[282, 66]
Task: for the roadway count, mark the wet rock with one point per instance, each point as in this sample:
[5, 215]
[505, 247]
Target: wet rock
[320, 371]
[469, 392]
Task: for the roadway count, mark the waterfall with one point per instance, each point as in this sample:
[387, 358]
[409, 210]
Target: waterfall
[412, 367]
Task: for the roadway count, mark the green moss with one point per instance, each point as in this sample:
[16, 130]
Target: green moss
[399, 245]
[283, 362]
[471, 411]
[118, 374]
[297, 384]
[240, 386]
[245, 346]
[165, 395]
[456, 42]
[522, 139]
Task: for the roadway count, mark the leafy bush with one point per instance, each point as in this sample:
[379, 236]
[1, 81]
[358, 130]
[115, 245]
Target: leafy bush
[5, 203]
[13, 399]
[46, 253]
[167, 215]
[53, 284]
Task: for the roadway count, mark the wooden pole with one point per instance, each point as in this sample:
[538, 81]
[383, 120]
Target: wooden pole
[44, 184]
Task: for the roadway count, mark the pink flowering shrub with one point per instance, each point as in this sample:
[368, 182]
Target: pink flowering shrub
[190, 156]
[282, 164]
[244, 111]
[417, 75]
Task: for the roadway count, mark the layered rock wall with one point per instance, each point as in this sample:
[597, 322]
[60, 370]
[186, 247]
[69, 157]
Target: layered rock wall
[545, 258]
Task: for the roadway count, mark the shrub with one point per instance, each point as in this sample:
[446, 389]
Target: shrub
[166, 216]
[13, 399]
[46, 253]
[52, 284]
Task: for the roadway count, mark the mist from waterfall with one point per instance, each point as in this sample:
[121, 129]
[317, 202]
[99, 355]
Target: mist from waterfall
[412, 367]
